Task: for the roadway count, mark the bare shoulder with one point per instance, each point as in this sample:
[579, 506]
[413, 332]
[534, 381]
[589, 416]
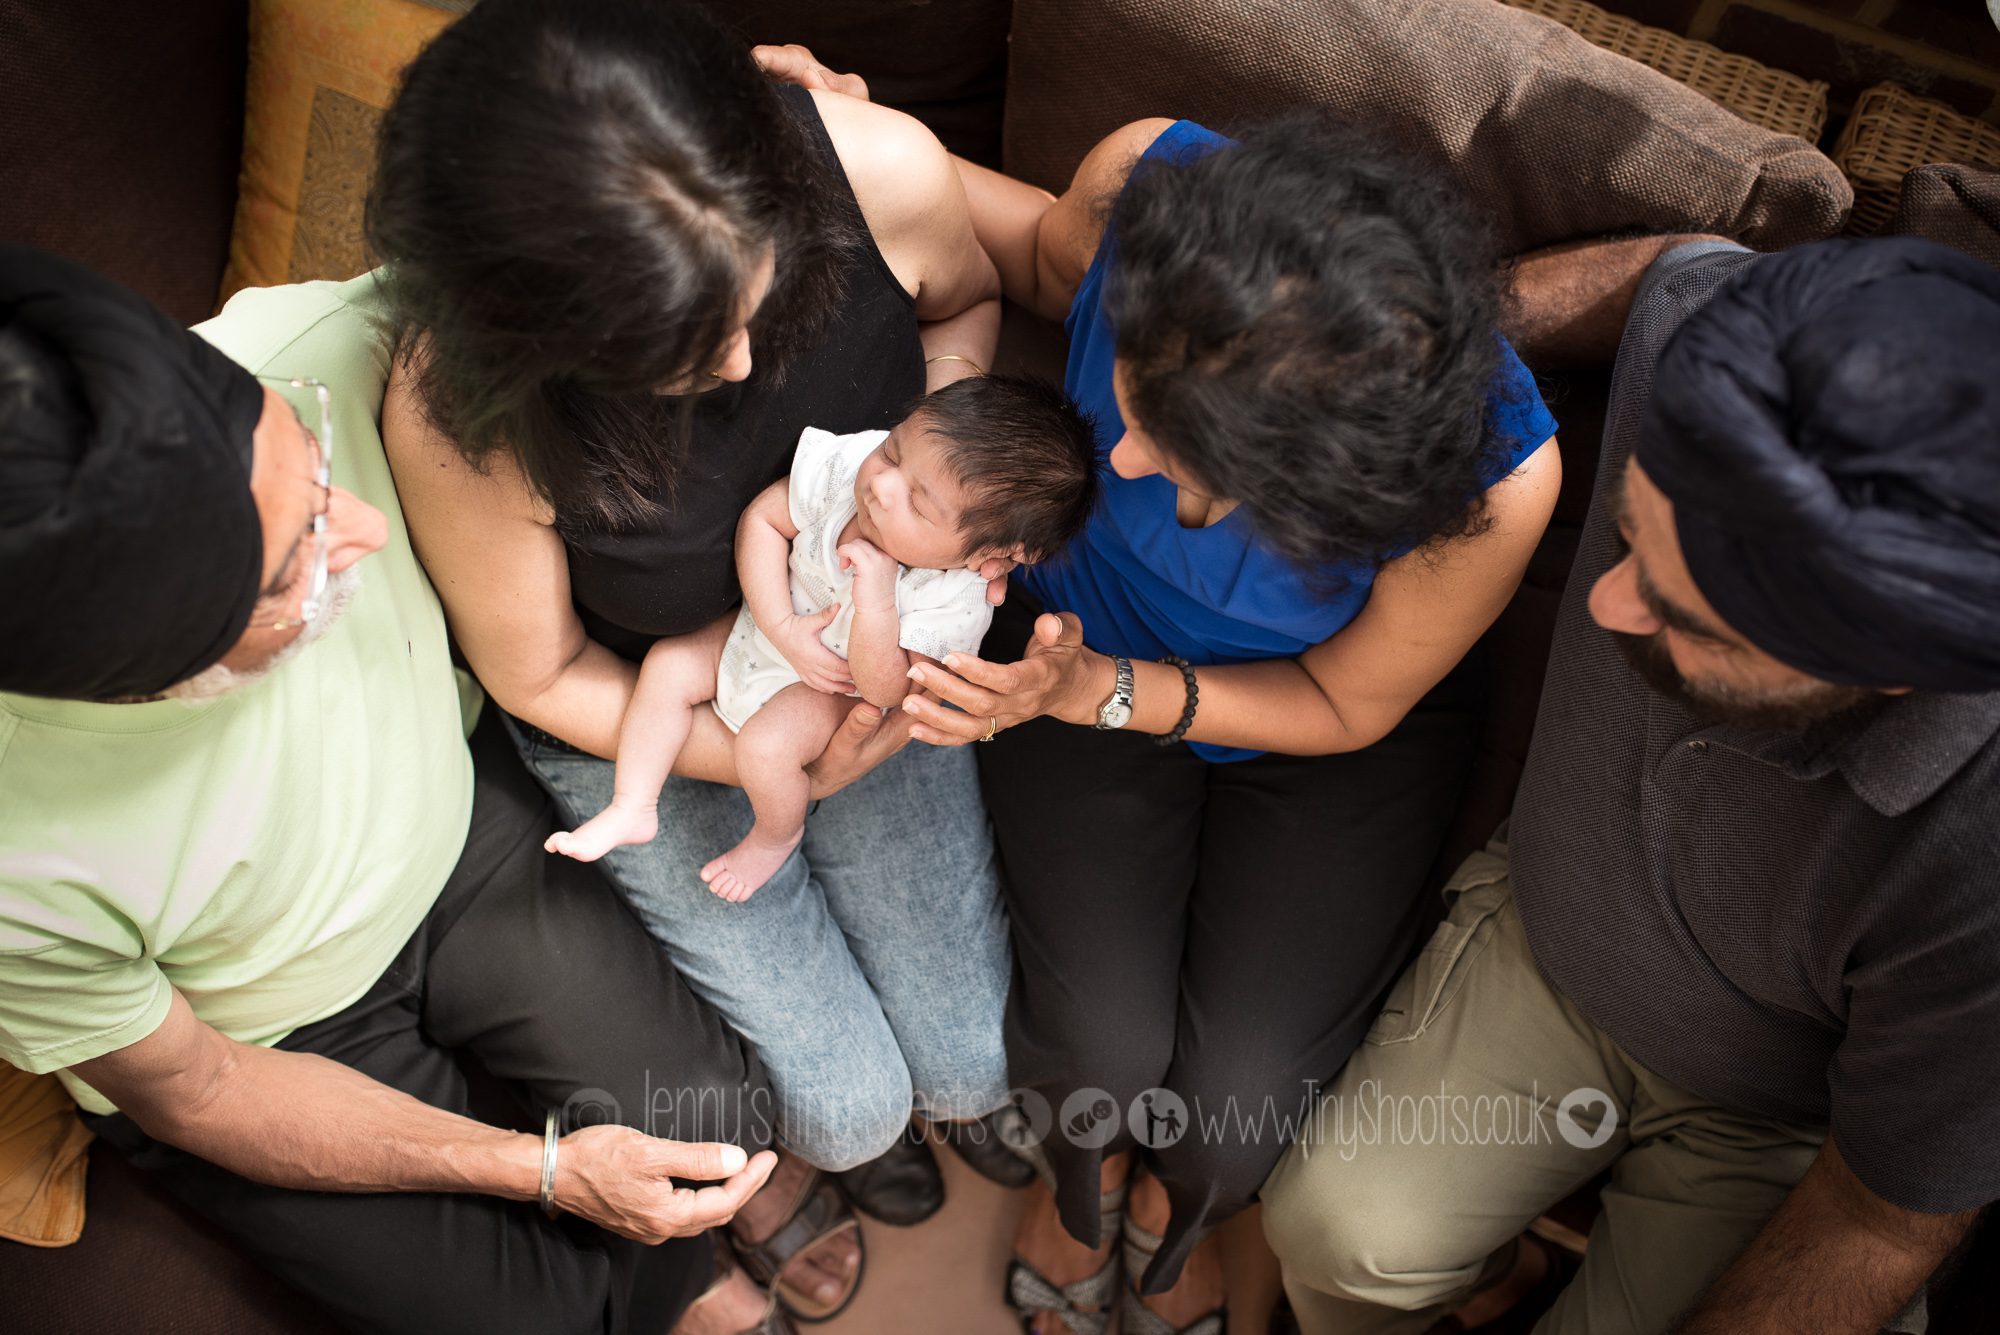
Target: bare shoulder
[1073, 226]
[899, 172]
[1104, 169]
[431, 472]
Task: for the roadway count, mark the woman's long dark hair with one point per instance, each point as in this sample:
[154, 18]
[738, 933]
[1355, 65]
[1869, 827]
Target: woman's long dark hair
[1308, 328]
[573, 198]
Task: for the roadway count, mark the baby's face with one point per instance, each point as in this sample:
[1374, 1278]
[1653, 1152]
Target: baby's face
[907, 504]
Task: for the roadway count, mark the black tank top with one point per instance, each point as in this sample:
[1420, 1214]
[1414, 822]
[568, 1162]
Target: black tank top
[677, 572]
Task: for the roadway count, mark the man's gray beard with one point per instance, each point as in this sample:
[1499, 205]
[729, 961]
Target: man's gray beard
[215, 681]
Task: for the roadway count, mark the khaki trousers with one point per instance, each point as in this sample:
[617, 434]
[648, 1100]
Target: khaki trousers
[1480, 1098]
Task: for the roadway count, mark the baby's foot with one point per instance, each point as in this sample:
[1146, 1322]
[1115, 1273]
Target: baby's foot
[739, 873]
[610, 828]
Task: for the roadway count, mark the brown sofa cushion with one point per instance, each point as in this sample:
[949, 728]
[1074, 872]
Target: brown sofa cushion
[1557, 138]
[1954, 205]
[944, 63]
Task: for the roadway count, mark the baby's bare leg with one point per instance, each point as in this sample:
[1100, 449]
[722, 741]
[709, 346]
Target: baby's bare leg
[677, 676]
[772, 751]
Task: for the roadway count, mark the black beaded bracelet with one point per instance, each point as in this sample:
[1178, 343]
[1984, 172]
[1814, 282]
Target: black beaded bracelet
[1187, 713]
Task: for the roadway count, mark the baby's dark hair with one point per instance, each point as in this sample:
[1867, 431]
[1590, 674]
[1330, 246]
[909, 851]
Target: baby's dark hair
[1025, 455]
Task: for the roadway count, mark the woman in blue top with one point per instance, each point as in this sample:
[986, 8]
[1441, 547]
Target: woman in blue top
[1228, 748]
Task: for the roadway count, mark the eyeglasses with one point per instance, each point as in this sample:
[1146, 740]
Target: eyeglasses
[315, 599]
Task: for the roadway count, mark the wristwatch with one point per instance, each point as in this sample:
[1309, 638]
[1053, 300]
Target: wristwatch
[1117, 711]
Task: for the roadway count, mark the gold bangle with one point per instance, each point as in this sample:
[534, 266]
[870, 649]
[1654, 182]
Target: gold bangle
[954, 357]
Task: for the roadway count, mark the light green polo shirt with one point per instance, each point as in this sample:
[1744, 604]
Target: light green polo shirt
[267, 853]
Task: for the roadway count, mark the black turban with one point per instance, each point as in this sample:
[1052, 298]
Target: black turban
[1828, 430]
[130, 549]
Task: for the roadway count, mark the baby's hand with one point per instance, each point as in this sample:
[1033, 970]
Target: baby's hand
[797, 638]
[874, 574]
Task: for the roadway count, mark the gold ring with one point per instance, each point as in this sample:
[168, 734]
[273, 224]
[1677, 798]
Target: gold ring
[992, 728]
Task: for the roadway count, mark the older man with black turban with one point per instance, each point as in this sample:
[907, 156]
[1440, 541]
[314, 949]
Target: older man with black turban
[257, 894]
[1741, 945]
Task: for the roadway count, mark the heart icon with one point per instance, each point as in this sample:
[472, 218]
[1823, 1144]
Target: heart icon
[1586, 1107]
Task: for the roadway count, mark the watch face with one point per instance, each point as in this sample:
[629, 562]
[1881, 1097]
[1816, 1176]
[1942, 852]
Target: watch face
[1114, 715]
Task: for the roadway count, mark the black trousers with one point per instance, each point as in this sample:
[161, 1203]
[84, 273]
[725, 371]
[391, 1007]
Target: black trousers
[1222, 931]
[529, 986]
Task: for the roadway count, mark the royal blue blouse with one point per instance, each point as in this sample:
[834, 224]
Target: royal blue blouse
[1145, 587]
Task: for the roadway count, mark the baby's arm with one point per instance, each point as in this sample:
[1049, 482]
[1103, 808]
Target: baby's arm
[875, 652]
[763, 554]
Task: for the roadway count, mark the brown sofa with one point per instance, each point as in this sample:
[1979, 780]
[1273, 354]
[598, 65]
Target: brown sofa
[121, 124]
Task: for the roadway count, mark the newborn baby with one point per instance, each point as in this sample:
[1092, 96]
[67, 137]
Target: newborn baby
[864, 560]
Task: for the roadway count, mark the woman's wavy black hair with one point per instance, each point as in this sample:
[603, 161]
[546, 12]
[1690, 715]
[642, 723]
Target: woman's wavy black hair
[573, 199]
[1307, 327]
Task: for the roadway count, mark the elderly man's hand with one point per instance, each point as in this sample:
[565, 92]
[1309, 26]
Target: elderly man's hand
[793, 63]
[623, 1180]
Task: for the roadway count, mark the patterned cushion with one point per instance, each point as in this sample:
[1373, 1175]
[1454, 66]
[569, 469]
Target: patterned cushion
[321, 72]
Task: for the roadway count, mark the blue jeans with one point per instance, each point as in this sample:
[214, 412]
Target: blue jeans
[871, 972]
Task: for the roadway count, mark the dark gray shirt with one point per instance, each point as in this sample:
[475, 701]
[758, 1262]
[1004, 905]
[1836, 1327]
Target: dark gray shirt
[1805, 928]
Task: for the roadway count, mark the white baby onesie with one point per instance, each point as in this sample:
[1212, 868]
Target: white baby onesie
[941, 611]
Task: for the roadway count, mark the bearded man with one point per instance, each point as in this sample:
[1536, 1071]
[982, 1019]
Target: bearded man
[291, 942]
[1740, 946]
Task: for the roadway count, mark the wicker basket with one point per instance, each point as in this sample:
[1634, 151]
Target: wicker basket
[1893, 131]
[1774, 99]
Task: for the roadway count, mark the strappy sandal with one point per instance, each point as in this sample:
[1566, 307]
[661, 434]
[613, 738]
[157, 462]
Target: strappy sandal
[1084, 1306]
[821, 1212]
[1134, 1317]
[773, 1321]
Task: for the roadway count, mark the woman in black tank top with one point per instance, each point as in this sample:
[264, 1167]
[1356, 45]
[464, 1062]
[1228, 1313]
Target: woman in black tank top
[626, 272]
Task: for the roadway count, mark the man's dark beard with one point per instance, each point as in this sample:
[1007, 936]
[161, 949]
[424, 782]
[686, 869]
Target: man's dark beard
[1795, 713]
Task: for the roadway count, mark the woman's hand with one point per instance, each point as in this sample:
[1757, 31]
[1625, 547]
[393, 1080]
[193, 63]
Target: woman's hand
[865, 738]
[1059, 678]
[793, 63]
[797, 638]
[994, 570]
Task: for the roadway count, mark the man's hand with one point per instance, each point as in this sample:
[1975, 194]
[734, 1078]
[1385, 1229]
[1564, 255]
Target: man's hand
[793, 63]
[306, 1122]
[875, 574]
[798, 639]
[622, 1180]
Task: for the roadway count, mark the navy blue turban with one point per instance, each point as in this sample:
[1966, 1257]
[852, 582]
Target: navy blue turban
[130, 549]
[1828, 430]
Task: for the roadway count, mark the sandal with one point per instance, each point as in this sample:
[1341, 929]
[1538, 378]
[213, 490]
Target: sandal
[773, 1321]
[987, 1145]
[820, 1213]
[1032, 1295]
[1134, 1317]
[901, 1186]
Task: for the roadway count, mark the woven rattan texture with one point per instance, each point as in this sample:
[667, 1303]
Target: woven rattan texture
[1893, 131]
[1771, 98]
